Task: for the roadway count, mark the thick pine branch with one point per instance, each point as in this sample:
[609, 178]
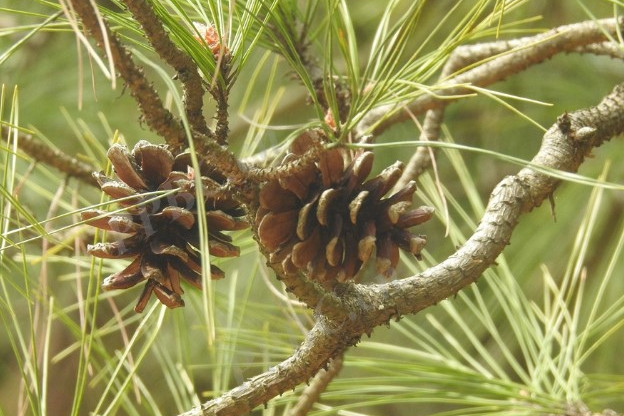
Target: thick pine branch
[565, 146]
[324, 340]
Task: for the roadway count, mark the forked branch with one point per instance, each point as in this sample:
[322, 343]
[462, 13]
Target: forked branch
[514, 56]
[161, 120]
[565, 146]
[467, 55]
[350, 310]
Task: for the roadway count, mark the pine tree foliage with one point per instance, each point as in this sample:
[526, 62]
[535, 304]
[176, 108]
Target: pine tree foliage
[538, 334]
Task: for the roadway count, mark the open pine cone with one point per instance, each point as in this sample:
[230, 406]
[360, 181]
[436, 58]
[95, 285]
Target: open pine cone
[325, 220]
[164, 229]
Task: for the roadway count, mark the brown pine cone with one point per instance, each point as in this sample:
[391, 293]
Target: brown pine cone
[164, 229]
[326, 220]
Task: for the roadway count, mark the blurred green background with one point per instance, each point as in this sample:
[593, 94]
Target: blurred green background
[70, 103]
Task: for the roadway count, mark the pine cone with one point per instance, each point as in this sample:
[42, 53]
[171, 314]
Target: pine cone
[324, 219]
[164, 229]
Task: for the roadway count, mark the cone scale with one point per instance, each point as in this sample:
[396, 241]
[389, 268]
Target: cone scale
[163, 232]
[328, 221]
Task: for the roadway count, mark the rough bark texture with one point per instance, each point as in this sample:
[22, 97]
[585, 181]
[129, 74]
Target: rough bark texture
[178, 60]
[353, 309]
[41, 152]
[345, 313]
[161, 120]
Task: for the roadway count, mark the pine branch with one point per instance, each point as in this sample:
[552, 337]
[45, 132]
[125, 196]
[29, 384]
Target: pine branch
[317, 386]
[222, 160]
[222, 114]
[611, 49]
[565, 146]
[43, 153]
[320, 344]
[522, 53]
[421, 159]
[183, 64]
[317, 138]
[157, 116]
[463, 57]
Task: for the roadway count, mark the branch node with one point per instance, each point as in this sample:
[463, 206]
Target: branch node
[564, 123]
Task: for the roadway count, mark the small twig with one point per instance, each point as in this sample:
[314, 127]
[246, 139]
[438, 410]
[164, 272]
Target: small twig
[312, 393]
[161, 120]
[459, 58]
[422, 157]
[41, 152]
[222, 81]
[185, 67]
[222, 129]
